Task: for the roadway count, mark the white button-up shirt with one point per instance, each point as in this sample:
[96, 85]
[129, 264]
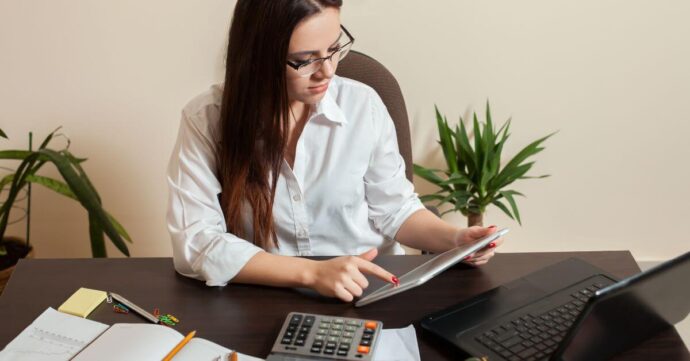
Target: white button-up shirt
[347, 192]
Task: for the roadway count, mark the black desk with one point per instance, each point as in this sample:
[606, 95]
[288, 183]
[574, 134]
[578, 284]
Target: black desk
[248, 318]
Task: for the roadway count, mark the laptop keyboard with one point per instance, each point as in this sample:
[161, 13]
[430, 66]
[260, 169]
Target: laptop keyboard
[535, 336]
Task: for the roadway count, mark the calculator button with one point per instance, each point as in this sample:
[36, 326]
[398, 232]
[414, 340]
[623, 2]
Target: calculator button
[346, 340]
[329, 351]
[344, 346]
[289, 334]
[368, 331]
[317, 344]
[322, 332]
[350, 328]
[299, 342]
[324, 325]
[353, 322]
[335, 333]
[336, 327]
[315, 349]
[370, 324]
[365, 343]
[332, 339]
[363, 349]
[338, 321]
[319, 338]
[342, 352]
[331, 344]
[295, 320]
[292, 328]
[302, 336]
[305, 329]
[286, 341]
[309, 320]
[366, 336]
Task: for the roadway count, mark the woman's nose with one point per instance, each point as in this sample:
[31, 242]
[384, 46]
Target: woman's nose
[327, 69]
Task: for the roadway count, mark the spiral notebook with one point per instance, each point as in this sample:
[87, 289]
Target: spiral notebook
[58, 336]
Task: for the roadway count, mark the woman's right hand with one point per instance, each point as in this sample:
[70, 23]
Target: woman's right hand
[343, 277]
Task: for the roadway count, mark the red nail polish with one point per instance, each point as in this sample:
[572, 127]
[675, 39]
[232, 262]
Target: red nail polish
[492, 226]
[395, 280]
[492, 245]
[466, 258]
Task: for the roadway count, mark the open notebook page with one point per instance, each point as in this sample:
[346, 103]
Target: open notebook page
[132, 341]
[199, 349]
[52, 336]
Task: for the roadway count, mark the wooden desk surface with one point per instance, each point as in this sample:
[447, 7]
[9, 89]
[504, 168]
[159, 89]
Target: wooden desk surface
[248, 318]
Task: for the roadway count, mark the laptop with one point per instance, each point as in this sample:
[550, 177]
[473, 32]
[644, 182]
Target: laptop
[569, 311]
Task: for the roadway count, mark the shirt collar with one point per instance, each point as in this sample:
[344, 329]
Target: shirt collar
[328, 106]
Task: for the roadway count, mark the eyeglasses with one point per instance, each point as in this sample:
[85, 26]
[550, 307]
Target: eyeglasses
[308, 67]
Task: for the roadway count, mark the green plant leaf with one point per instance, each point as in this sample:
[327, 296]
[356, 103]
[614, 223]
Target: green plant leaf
[52, 184]
[528, 151]
[119, 228]
[6, 180]
[18, 182]
[478, 150]
[97, 239]
[86, 196]
[428, 174]
[48, 138]
[513, 206]
[63, 189]
[502, 207]
[536, 177]
[446, 140]
[14, 154]
[466, 154]
[431, 197]
[456, 179]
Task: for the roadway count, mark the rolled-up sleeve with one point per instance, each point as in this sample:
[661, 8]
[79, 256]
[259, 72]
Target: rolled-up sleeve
[390, 195]
[202, 247]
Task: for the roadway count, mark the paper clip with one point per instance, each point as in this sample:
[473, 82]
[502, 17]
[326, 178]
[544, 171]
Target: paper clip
[120, 308]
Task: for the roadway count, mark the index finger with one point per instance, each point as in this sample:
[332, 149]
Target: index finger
[373, 269]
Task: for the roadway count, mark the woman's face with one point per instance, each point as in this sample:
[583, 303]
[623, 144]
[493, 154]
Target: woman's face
[314, 37]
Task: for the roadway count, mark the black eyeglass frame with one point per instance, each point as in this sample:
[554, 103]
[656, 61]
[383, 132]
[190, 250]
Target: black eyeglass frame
[308, 62]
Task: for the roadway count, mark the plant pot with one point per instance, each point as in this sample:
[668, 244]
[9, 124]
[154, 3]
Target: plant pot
[16, 249]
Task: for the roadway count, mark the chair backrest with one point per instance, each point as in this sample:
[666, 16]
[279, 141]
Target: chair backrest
[367, 70]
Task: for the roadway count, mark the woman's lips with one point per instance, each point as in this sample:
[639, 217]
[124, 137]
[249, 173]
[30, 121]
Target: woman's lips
[319, 88]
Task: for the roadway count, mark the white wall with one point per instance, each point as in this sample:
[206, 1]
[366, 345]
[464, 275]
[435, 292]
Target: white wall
[611, 76]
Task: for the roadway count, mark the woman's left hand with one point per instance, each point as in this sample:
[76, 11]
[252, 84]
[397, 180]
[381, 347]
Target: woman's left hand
[473, 234]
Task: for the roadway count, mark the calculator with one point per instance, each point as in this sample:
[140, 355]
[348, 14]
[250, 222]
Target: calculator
[307, 336]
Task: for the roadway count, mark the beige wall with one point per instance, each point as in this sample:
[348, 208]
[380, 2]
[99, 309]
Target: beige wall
[611, 76]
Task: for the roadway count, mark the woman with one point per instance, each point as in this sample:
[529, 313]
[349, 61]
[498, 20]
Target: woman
[287, 159]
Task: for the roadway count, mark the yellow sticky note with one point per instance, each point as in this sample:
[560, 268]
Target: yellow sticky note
[82, 302]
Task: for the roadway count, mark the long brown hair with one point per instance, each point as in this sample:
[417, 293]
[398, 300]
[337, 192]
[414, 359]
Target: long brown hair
[255, 108]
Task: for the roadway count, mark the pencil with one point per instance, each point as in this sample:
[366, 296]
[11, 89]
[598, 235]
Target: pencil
[179, 346]
[233, 356]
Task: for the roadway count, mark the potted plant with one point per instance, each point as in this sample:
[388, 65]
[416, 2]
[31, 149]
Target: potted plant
[76, 186]
[475, 177]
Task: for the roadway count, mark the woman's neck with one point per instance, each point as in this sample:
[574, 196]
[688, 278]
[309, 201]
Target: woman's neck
[298, 112]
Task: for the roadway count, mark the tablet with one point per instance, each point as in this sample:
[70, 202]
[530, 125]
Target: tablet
[429, 269]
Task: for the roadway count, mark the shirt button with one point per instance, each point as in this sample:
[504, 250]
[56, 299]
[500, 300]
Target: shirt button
[296, 198]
